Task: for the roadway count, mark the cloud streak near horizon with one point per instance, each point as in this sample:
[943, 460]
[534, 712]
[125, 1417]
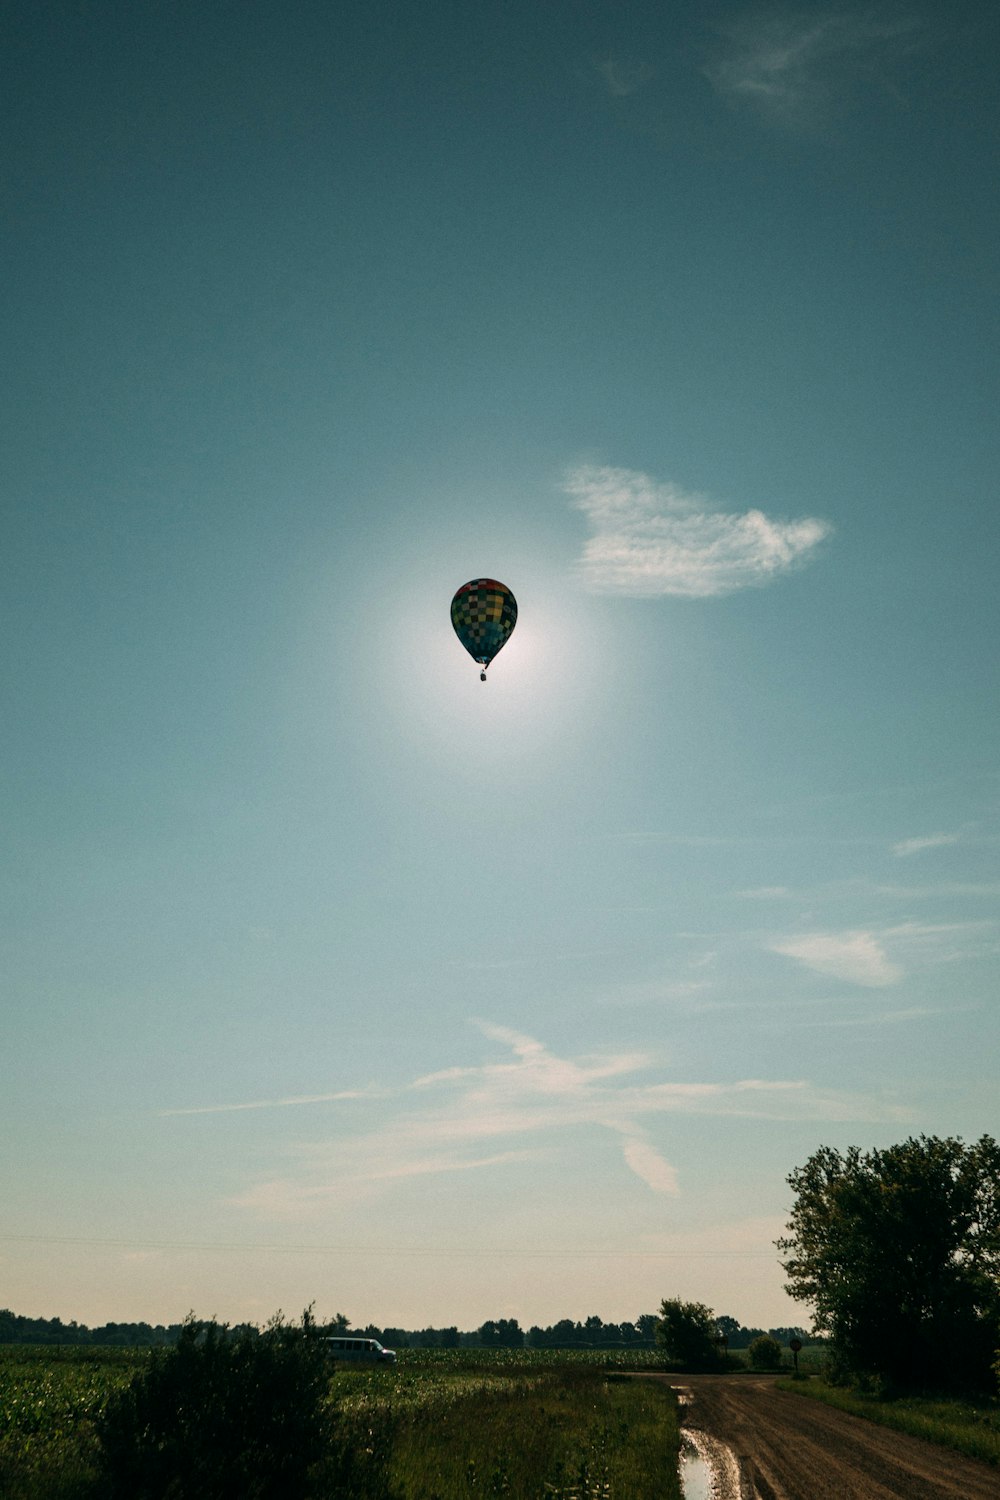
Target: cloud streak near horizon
[650, 538]
[519, 1108]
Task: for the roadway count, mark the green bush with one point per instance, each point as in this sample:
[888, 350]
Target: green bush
[219, 1416]
[765, 1353]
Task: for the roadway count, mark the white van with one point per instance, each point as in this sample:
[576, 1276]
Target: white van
[359, 1351]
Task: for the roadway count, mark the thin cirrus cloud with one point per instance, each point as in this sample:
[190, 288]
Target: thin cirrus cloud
[857, 957]
[907, 847]
[651, 538]
[797, 65]
[622, 76]
[527, 1105]
[292, 1100]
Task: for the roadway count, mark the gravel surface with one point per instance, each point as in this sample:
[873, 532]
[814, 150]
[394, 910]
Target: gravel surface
[766, 1444]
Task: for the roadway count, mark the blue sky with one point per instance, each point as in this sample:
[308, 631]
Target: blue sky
[331, 974]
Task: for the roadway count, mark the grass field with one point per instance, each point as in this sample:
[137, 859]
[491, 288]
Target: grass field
[515, 1423]
[968, 1427]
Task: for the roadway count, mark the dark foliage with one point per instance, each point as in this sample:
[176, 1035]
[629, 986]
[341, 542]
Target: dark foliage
[15, 1329]
[220, 1417]
[738, 1337]
[899, 1253]
[501, 1333]
[687, 1334]
[765, 1353]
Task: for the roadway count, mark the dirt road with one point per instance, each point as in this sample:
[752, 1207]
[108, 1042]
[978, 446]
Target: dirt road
[787, 1447]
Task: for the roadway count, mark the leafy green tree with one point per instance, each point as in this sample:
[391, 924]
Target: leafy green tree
[501, 1333]
[728, 1328]
[899, 1253]
[593, 1329]
[645, 1327]
[566, 1333]
[686, 1332]
[765, 1353]
[785, 1335]
[393, 1338]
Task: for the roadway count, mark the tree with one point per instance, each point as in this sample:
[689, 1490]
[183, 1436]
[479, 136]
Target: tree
[729, 1328]
[645, 1327]
[501, 1333]
[735, 1335]
[785, 1335]
[899, 1253]
[765, 1353]
[686, 1333]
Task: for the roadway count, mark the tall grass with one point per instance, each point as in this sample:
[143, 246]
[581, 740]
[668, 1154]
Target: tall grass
[972, 1428]
[563, 1429]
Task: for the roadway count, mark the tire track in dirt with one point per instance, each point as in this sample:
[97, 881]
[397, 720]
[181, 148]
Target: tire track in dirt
[787, 1447]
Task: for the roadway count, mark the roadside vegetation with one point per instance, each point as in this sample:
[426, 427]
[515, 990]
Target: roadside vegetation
[522, 1427]
[969, 1427]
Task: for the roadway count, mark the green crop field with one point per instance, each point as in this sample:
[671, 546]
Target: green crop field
[48, 1400]
[515, 1423]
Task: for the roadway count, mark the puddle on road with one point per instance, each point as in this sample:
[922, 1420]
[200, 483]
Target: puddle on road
[696, 1476]
[708, 1469]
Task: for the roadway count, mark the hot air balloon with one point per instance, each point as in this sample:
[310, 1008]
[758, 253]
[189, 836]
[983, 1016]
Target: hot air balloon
[483, 613]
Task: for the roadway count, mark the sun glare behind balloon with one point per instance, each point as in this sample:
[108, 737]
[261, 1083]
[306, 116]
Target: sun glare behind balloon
[542, 688]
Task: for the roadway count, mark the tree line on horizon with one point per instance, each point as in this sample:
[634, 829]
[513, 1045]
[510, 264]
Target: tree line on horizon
[495, 1333]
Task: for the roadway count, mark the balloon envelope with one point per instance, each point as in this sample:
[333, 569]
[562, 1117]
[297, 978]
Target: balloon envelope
[483, 612]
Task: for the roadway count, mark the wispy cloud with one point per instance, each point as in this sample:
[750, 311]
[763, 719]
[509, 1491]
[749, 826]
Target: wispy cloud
[517, 1108]
[987, 890]
[650, 538]
[944, 942]
[857, 957]
[875, 957]
[796, 65]
[222, 1109]
[622, 76]
[906, 847]
[647, 1163]
[882, 1018]
[862, 888]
